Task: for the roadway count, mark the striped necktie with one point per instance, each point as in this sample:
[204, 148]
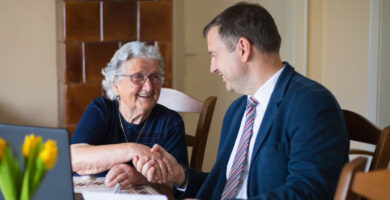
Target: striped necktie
[231, 186]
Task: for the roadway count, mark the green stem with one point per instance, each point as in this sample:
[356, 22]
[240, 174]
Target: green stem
[10, 175]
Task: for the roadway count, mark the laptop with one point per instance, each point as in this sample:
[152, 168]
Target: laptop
[57, 183]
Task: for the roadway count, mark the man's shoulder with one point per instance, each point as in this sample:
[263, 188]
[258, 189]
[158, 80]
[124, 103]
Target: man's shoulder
[304, 87]
[294, 89]
[305, 95]
[293, 83]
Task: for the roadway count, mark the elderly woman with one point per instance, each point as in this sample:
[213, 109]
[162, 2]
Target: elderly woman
[128, 121]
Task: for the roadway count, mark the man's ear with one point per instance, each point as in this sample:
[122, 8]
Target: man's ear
[244, 48]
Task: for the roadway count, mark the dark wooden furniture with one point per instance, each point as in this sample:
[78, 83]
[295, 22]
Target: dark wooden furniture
[361, 130]
[89, 33]
[354, 183]
[182, 102]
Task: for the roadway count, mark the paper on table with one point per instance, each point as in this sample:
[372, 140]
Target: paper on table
[92, 195]
[89, 183]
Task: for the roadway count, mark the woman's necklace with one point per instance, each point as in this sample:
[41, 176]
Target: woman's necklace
[123, 130]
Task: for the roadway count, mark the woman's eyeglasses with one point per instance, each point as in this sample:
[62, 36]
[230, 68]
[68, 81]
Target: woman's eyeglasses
[140, 78]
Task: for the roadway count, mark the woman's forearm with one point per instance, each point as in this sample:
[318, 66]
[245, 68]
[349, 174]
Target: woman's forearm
[90, 159]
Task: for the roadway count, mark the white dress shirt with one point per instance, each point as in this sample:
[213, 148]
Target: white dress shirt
[262, 95]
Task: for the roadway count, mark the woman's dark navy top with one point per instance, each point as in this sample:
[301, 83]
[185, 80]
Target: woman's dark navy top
[100, 125]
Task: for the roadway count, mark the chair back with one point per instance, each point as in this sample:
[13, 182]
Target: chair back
[361, 130]
[181, 102]
[354, 183]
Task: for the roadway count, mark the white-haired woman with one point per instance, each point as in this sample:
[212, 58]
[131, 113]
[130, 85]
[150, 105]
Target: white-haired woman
[128, 121]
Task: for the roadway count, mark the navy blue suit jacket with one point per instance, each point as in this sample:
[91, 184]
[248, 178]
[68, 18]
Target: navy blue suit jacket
[299, 151]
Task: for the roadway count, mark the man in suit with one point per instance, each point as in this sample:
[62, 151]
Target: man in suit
[284, 139]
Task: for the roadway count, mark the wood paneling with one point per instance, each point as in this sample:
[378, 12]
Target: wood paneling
[120, 21]
[70, 69]
[155, 21]
[97, 55]
[166, 51]
[78, 96]
[82, 21]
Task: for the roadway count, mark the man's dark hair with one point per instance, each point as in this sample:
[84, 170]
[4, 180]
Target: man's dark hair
[250, 21]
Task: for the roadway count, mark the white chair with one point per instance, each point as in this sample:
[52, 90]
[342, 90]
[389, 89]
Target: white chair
[181, 102]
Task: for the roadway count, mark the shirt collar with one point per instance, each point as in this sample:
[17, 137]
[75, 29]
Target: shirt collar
[263, 94]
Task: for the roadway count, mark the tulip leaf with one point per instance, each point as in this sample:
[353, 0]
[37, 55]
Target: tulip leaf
[9, 176]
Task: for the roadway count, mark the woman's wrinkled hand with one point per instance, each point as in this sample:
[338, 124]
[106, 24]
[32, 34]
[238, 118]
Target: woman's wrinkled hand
[142, 151]
[124, 174]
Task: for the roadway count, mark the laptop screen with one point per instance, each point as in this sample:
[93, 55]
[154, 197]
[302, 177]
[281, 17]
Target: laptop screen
[57, 183]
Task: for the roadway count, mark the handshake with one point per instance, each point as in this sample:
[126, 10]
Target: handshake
[153, 165]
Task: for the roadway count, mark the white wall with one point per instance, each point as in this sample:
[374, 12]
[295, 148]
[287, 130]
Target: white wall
[345, 51]
[28, 87]
[384, 71]
[338, 49]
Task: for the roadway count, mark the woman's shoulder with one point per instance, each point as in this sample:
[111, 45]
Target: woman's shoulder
[102, 103]
[161, 111]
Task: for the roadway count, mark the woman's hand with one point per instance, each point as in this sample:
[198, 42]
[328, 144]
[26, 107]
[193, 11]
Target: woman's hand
[142, 151]
[125, 175]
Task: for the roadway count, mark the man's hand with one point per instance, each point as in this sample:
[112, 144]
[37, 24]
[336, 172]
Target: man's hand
[153, 160]
[174, 171]
[125, 175]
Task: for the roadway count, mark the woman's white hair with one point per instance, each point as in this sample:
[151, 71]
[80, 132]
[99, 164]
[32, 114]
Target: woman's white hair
[128, 51]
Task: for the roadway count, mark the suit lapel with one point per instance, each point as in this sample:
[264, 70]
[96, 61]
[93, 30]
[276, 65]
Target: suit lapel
[213, 186]
[234, 126]
[273, 107]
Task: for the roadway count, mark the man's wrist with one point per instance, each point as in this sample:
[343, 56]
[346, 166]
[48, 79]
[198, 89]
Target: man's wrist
[183, 179]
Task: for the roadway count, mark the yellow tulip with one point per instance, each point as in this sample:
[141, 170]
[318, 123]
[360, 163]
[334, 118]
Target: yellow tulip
[49, 153]
[2, 146]
[30, 142]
